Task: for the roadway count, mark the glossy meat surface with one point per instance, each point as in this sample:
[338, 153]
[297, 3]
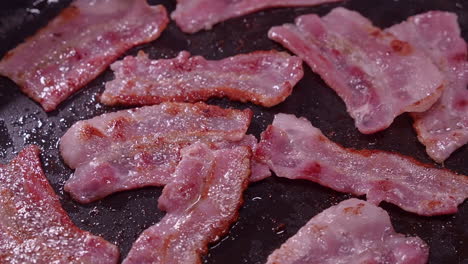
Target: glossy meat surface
[294, 149]
[262, 77]
[140, 147]
[377, 75]
[76, 46]
[444, 127]
[353, 231]
[201, 203]
[33, 226]
[194, 15]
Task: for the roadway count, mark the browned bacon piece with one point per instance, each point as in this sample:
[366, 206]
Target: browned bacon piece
[201, 203]
[33, 226]
[354, 231]
[262, 77]
[377, 75]
[78, 45]
[444, 127]
[294, 149]
[140, 147]
[194, 15]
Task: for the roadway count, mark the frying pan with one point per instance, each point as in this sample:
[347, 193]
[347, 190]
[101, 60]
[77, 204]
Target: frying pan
[275, 208]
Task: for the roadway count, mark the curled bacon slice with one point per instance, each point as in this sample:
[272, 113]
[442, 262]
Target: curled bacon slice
[140, 147]
[444, 127]
[354, 231]
[194, 15]
[264, 78]
[377, 75]
[76, 46]
[294, 149]
[201, 203]
[34, 228]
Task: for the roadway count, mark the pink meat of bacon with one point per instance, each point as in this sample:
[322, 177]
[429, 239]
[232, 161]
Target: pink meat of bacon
[294, 149]
[140, 147]
[264, 78]
[354, 231]
[444, 127]
[378, 76]
[201, 203]
[259, 169]
[75, 47]
[33, 226]
[194, 15]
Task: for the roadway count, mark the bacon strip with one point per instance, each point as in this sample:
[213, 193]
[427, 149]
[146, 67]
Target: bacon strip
[264, 78]
[33, 226]
[353, 231]
[294, 149]
[140, 147]
[75, 47]
[201, 203]
[194, 15]
[444, 127]
[377, 76]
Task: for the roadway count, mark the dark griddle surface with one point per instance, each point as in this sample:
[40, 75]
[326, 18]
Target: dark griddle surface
[275, 208]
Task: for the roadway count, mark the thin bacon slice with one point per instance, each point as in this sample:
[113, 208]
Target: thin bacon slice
[444, 127]
[194, 15]
[75, 47]
[354, 231]
[201, 203]
[262, 77]
[259, 169]
[294, 149]
[33, 226]
[140, 147]
[377, 76]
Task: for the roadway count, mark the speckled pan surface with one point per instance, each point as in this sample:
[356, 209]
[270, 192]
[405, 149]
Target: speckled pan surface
[274, 209]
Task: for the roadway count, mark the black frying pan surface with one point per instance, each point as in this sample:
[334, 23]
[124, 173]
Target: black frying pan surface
[275, 208]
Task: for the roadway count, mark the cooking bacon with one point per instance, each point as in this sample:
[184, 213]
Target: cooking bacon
[194, 15]
[78, 45]
[354, 231]
[201, 203]
[33, 226]
[294, 149]
[259, 169]
[444, 127]
[140, 147]
[264, 78]
[377, 76]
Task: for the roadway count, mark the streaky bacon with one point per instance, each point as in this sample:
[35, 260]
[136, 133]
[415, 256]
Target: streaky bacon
[34, 228]
[294, 149]
[201, 203]
[444, 127]
[259, 169]
[261, 77]
[77, 45]
[378, 76]
[140, 147]
[354, 231]
[194, 15]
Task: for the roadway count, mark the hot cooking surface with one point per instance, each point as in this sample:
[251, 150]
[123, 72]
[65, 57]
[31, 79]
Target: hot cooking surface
[275, 208]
